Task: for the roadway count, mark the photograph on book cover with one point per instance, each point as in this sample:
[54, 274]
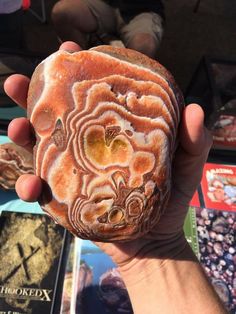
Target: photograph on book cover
[219, 186]
[97, 285]
[217, 247]
[31, 250]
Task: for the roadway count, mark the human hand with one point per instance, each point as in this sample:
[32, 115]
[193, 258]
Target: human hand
[166, 238]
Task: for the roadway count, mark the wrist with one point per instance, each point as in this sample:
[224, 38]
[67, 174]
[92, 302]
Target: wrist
[151, 258]
[173, 284]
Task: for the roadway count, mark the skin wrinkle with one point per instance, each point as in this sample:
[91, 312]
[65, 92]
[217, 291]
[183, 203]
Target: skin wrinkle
[147, 272]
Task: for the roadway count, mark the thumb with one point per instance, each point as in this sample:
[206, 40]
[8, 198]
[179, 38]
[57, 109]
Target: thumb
[194, 137]
[192, 153]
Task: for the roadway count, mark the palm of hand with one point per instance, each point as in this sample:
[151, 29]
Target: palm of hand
[169, 229]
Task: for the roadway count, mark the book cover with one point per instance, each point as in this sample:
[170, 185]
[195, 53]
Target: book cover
[219, 186]
[31, 249]
[98, 286]
[217, 247]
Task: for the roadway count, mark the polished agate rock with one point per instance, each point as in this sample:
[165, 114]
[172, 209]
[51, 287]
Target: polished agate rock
[14, 161]
[106, 124]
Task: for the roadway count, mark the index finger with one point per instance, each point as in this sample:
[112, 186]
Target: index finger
[70, 46]
[16, 86]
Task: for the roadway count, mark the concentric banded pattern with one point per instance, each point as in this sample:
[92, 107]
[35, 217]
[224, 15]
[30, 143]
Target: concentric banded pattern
[14, 162]
[106, 132]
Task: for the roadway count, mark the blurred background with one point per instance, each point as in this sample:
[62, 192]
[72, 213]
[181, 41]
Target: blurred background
[193, 28]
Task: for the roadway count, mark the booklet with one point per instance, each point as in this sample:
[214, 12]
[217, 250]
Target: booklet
[31, 250]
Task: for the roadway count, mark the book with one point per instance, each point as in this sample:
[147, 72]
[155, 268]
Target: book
[31, 250]
[215, 220]
[97, 284]
[219, 186]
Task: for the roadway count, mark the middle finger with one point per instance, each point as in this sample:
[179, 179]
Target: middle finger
[20, 132]
[16, 87]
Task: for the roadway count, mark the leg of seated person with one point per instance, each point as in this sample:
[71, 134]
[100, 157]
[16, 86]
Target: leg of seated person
[144, 43]
[73, 20]
[143, 33]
